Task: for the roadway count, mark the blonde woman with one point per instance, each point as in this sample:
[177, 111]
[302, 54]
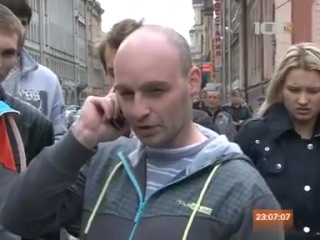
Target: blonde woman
[284, 141]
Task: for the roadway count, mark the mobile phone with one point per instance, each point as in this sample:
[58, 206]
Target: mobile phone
[119, 122]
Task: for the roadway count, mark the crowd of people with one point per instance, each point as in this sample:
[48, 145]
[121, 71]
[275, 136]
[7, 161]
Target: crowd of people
[157, 157]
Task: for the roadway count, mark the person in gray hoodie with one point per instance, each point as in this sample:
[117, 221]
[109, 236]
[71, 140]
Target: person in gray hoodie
[33, 82]
[173, 180]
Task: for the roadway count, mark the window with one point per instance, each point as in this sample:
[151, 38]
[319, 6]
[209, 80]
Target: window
[81, 8]
[82, 49]
[202, 43]
[83, 75]
[82, 31]
[35, 33]
[198, 16]
[45, 7]
[36, 6]
[32, 32]
[46, 31]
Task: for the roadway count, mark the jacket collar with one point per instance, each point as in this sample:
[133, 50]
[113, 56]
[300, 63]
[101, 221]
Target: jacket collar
[281, 122]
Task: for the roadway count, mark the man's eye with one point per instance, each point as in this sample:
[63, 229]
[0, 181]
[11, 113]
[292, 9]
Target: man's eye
[295, 90]
[157, 90]
[9, 54]
[126, 94]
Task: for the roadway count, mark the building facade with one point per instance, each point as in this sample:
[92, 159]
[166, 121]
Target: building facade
[197, 33]
[96, 76]
[253, 72]
[267, 50]
[201, 38]
[58, 38]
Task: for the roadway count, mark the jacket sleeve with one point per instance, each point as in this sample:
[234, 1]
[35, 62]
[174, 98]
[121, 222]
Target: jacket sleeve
[49, 194]
[58, 113]
[231, 130]
[41, 135]
[249, 231]
[248, 133]
[207, 122]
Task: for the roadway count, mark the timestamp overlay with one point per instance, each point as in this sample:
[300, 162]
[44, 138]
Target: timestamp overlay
[264, 219]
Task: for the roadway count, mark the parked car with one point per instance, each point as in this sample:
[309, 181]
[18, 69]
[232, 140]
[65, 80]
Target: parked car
[72, 114]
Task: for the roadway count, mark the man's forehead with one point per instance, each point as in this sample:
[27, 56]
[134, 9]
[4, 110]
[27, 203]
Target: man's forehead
[8, 41]
[212, 93]
[143, 40]
[141, 86]
[147, 51]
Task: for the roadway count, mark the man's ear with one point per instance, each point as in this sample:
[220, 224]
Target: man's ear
[194, 79]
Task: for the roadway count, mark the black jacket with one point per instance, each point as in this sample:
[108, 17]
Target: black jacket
[126, 212]
[241, 113]
[290, 165]
[36, 132]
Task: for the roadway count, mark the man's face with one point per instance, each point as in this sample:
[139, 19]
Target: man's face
[154, 98]
[8, 53]
[236, 99]
[213, 100]
[301, 94]
[203, 95]
[109, 55]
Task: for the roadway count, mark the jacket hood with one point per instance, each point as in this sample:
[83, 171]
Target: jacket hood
[28, 64]
[218, 149]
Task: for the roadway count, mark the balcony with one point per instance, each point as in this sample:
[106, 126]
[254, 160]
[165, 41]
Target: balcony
[207, 9]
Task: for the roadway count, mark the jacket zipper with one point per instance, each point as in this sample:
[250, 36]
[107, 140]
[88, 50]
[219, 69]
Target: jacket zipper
[143, 202]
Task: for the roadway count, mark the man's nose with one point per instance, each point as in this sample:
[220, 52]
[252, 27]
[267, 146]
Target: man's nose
[140, 109]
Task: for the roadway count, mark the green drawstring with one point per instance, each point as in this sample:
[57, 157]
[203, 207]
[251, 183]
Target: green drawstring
[199, 201]
[102, 194]
[192, 216]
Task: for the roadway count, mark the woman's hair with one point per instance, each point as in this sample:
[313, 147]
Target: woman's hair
[304, 56]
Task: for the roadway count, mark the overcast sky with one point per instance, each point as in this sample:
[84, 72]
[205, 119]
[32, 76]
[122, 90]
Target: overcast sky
[177, 14]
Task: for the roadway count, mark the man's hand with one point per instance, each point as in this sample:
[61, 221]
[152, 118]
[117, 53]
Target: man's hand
[94, 124]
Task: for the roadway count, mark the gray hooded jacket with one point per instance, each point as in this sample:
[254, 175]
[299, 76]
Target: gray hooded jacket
[39, 86]
[223, 121]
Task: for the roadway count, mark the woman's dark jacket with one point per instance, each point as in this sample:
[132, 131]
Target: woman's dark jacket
[290, 165]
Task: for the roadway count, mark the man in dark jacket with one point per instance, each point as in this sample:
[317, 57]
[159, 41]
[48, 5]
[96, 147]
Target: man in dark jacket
[172, 180]
[221, 119]
[35, 129]
[239, 112]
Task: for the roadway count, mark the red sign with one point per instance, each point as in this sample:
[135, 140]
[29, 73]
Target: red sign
[206, 67]
[217, 27]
